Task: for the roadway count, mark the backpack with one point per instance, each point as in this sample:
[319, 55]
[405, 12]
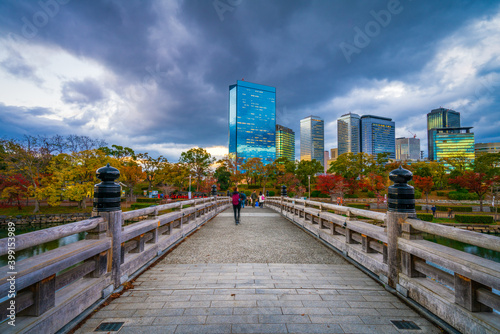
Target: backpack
[236, 198]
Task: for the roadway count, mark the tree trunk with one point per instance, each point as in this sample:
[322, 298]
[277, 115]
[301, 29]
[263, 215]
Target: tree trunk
[84, 203]
[481, 204]
[37, 206]
[427, 198]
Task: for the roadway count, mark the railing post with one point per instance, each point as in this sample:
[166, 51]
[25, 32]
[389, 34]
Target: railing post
[107, 205]
[283, 196]
[401, 205]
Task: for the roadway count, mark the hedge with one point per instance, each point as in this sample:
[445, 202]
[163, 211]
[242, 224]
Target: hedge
[462, 196]
[440, 193]
[271, 193]
[418, 194]
[147, 200]
[454, 208]
[371, 194]
[356, 206]
[425, 216]
[136, 206]
[474, 219]
[254, 186]
[248, 193]
[351, 196]
[315, 193]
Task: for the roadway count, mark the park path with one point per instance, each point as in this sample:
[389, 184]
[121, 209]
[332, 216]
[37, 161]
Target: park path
[262, 276]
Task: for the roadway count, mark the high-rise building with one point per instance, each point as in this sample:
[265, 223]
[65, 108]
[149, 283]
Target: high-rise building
[252, 121]
[312, 139]
[439, 118]
[334, 154]
[407, 149]
[378, 135]
[454, 142]
[348, 133]
[482, 148]
[285, 143]
[326, 157]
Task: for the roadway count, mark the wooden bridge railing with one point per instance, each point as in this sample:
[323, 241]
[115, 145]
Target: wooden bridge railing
[54, 287]
[455, 286]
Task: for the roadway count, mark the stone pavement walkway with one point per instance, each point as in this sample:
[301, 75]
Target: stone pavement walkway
[262, 276]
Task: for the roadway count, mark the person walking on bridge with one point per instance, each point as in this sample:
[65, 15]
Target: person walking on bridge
[235, 199]
[253, 197]
[262, 198]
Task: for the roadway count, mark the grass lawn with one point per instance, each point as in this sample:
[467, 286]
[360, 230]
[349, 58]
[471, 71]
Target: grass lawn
[28, 210]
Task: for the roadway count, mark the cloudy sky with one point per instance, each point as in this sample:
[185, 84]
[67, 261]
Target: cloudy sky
[154, 75]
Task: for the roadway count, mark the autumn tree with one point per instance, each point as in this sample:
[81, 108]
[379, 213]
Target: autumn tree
[198, 161]
[232, 164]
[13, 187]
[253, 168]
[332, 184]
[150, 166]
[424, 184]
[131, 174]
[478, 183]
[289, 180]
[30, 158]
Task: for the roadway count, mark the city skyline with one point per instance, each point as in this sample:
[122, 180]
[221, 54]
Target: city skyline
[154, 75]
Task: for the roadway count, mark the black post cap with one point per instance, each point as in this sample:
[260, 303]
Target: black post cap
[401, 196]
[283, 191]
[214, 190]
[107, 194]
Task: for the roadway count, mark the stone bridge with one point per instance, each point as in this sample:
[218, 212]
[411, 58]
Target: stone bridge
[294, 266]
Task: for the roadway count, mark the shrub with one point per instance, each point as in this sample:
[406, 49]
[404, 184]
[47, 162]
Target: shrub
[254, 186]
[356, 205]
[248, 193]
[242, 186]
[474, 219]
[321, 195]
[290, 193]
[462, 196]
[425, 216]
[454, 208]
[440, 193]
[418, 194]
[418, 208]
[351, 196]
[147, 200]
[136, 206]
[371, 194]
[315, 193]
[271, 193]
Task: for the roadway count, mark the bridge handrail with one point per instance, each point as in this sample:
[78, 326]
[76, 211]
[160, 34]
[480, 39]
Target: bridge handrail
[174, 205]
[470, 237]
[35, 238]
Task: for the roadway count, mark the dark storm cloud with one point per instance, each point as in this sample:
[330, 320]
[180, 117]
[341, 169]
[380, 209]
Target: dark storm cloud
[17, 121]
[86, 91]
[173, 61]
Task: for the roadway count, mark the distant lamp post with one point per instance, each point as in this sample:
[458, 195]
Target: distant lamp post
[309, 177]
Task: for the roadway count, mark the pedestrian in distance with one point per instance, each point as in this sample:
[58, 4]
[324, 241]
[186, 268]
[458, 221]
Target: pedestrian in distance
[433, 211]
[253, 197]
[243, 199]
[235, 199]
[262, 198]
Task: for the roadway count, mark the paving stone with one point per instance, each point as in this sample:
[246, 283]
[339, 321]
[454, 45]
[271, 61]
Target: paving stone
[314, 328]
[147, 329]
[257, 310]
[159, 312]
[209, 311]
[259, 328]
[202, 329]
[284, 319]
[306, 310]
[368, 329]
[180, 320]
[232, 319]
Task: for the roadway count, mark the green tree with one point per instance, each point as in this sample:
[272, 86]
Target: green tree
[352, 165]
[253, 168]
[306, 168]
[198, 161]
[223, 177]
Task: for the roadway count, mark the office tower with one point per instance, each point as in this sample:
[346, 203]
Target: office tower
[334, 154]
[378, 135]
[407, 148]
[252, 121]
[312, 139]
[326, 158]
[481, 148]
[348, 133]
[285, 143]
[453, 142]
[439, 118]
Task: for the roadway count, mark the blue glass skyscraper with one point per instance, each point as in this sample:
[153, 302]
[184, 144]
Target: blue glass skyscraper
[378, 135]
[252, 121]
